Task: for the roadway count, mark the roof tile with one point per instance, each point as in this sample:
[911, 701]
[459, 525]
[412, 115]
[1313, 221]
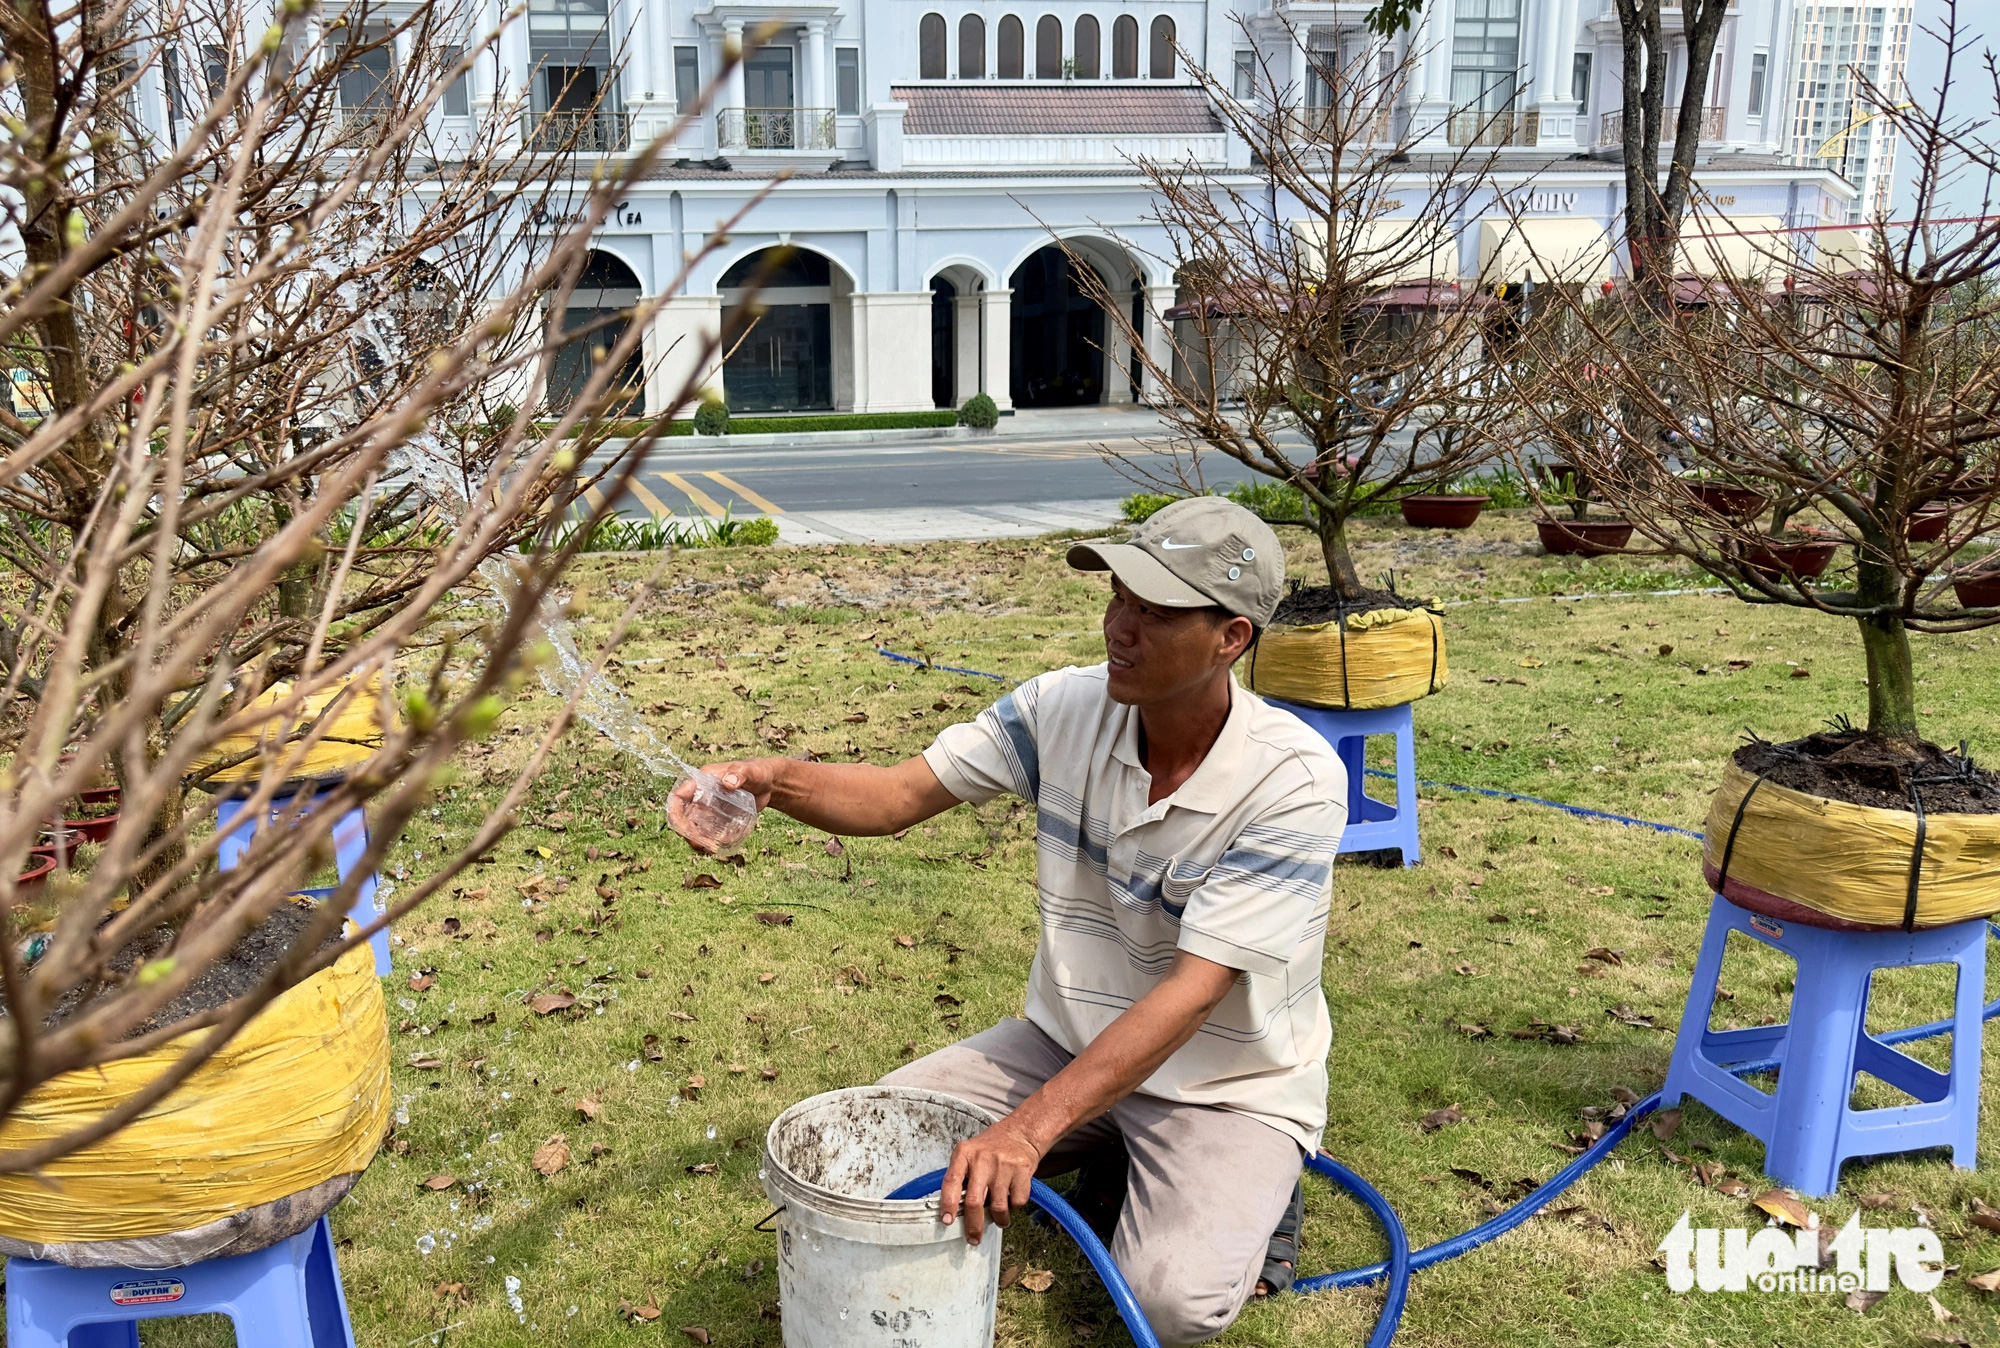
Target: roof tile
[1056, 110]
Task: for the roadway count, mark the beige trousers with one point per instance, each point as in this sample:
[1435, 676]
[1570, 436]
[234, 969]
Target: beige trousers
[1207, 1186]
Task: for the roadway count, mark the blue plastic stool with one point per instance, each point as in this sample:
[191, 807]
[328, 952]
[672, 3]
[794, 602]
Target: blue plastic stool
[285, 1296]
[1371, 824]
[1807, 1127]
[350, 844]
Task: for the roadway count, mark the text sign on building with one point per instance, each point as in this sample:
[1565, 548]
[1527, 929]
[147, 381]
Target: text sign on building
[1562, 203]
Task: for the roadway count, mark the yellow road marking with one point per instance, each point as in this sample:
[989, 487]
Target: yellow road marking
[595, 497]
[652, 503]
[752, 497]
[701, 498]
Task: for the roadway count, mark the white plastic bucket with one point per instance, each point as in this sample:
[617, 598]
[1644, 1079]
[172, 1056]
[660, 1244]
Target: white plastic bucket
[854, 1269]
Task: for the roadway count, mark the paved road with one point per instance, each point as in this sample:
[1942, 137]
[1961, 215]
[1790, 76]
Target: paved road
[1040, 472]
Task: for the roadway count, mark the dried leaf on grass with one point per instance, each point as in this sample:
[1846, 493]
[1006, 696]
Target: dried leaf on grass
[701, 881]
[835, 847]
[1985, 1282]
[550, 1158]
[775, 919]
[695, 1332]
[1441, 1118]
[439, 1182]
[1605, 955]
[1862, 1302]
[1009, 1275]
[1781, 1205]
[590, 1108]
[1038, 1280]
[551, 1002]
[1665, 1122]
[1984, 1216]
[1940, 1312]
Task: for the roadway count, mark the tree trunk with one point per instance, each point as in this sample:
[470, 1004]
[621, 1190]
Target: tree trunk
[1892, 679]
[1340, 572]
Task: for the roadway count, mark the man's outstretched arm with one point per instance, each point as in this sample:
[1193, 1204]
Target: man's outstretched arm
[990, 1173]
[855, 799]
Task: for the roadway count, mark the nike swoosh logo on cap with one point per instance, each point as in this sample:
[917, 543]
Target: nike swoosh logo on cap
[1172, 546]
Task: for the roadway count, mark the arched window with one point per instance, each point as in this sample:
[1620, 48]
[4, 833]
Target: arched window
[972, 48]
[1013, 48]
[1125, 48]
[1163, 48]
[1089, 48]
[930, 47]
[1048, 48]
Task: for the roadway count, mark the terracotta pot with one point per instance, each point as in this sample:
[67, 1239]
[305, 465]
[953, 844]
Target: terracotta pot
[1969, 489]
[102, 795]
[1980, 589]
[1804, 557]
[1733, 503]
[1929, 523]
[1442, 511]
[1583, 538]
[90, 830]
[41, 865]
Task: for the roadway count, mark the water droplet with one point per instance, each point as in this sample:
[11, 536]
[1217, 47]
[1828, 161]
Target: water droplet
[402, 1116]
[426, 1243]
[711, 1132]
[570, 1311]
[843, 1312]
[632, 1066]
[762, 1173]
[493, 1138]
[406, 1003]
[506, 1095]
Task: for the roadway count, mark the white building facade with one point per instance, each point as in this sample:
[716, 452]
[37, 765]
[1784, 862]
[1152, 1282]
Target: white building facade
[1836, 47]
[935, 151]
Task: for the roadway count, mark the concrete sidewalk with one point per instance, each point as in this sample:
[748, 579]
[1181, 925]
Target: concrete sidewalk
[926, 524]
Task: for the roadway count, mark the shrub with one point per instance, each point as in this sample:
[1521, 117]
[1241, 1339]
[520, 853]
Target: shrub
[1142, 506]
[761, 532]
[712, 417]
[1270, 500]
[502, 416]
[979, 412]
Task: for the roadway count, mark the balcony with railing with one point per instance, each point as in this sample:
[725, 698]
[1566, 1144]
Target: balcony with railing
[1611, 126]
[1338, 126]
[1494, 128]
[592, 131]
[775, 128]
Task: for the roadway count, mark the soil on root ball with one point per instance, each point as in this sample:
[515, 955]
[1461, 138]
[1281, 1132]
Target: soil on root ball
[1311, 604]
[1875, 770]
[236, 973]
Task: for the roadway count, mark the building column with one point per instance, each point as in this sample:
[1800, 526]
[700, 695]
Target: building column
[892, 351]
[815, 81]
[1430, 109]
[515, 66]
[675, 342]
[1553, 98]
[996, 344]
[729, 117]
[965, 347]
[1159, 343]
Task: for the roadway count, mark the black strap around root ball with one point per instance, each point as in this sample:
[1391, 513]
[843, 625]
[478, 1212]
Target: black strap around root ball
[1916, 855]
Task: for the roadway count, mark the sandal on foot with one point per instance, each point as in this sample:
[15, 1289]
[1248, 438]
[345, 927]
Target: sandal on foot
[1281, 1257]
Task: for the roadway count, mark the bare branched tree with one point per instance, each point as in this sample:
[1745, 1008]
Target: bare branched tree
[264, 364]
[1838, 389]
[1322, 338]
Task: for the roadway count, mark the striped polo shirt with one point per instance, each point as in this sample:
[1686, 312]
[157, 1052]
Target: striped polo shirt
[1235, 866]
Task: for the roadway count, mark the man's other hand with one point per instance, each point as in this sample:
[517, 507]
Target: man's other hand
[988, 1177]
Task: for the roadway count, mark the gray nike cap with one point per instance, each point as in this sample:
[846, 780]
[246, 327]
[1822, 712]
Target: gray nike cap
[1197, 553]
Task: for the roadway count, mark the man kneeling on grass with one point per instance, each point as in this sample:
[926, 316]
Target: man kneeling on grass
[1176, 1036]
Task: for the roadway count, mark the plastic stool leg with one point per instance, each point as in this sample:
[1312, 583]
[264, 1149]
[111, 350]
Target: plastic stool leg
[1967, 1038]
[326, 1303]
[234, 840]
[1700, 1003]
[1829, 1009]
[1406, 786]
[114, 1334]
[350, 845]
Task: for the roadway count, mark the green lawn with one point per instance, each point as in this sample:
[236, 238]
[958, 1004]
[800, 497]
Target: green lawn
[704, 1008]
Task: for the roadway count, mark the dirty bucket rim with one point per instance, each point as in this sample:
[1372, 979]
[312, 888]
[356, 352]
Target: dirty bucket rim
[789, 1178]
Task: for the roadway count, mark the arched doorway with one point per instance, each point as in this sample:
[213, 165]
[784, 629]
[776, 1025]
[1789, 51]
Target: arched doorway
[784, 362]
[944, 313]
[1057, 334]
[607, 289]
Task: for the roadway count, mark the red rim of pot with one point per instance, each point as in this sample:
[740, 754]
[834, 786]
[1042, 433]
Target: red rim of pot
[1442, 510]
[1805, 557]
[1929, 523]
[1979, 589]
[1730, 502]
[43, 865]
[91, 830]
[1583, 538]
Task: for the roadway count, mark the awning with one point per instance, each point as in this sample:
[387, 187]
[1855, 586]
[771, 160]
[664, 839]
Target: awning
[1839, 251]
[1411, 250]
[1566, 249]
[1741, 246]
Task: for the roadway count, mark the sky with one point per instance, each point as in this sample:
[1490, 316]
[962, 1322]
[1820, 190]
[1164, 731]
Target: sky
[1969, 98]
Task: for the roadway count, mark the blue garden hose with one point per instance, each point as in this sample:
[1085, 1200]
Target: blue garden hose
[1401, 1262]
